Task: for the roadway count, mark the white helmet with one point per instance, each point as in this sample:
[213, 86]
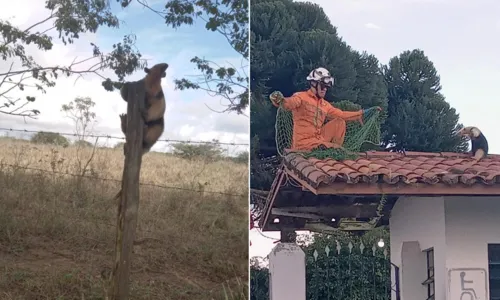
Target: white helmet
[321, 75]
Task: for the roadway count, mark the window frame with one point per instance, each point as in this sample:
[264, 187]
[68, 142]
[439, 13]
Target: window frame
[429, 281]
[492, 263]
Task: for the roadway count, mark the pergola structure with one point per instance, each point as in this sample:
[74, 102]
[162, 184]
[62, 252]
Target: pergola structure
[318, 195]
[444, 225]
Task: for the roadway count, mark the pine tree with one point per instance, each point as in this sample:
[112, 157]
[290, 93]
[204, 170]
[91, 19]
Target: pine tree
[419, 117]
[288, 40]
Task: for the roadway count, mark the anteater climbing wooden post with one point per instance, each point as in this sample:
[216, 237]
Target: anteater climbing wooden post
[128, 204]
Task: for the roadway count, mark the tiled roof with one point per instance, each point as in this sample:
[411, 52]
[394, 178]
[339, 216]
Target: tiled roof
[393, 168]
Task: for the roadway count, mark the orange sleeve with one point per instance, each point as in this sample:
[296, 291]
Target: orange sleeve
[333, 112]
[291, 103]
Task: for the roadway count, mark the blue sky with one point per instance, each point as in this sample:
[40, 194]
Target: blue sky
[187, 116]
[460, 37]
[157, 38]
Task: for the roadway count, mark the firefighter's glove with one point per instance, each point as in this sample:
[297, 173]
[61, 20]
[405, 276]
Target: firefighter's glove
[276, 97]
[365, 111]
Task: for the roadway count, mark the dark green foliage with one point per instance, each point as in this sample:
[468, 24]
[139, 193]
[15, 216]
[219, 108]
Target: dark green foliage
[83, 144]
[262, 169]
[242, 157]
[70, 19]
[316, 17]
[352, 275]
[288, 40]
[419, 117]
[50, 138]
[259, 282]
[226, 17]
[209, 151]
[370, 84]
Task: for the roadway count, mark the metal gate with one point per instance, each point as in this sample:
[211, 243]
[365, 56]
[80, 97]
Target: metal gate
[353, 271]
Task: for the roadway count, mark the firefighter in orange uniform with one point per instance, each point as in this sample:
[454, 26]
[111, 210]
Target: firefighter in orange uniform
[310, 109]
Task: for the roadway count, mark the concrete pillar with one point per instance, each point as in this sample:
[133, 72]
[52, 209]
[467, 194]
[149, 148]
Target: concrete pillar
[413, 271]
[287, 271]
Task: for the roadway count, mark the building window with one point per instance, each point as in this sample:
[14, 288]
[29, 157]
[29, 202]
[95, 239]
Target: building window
[494, 270]
[429, 282]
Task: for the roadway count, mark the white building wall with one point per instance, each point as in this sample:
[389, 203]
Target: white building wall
[458, 228]
[419, 220]
[472, 223]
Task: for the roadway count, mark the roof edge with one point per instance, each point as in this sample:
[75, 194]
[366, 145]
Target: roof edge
[368, 154]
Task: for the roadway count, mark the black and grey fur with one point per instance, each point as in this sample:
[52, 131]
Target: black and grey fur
[154, 108]
[479, 143]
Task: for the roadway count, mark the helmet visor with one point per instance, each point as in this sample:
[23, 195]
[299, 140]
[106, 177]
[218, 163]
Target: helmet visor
[327, 81]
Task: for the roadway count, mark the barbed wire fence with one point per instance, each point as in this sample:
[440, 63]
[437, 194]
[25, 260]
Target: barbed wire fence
[119, 180]
[123, 138]
[2, 164]
[116, 180]
[150, 230]
[51, 203]
[225, 149]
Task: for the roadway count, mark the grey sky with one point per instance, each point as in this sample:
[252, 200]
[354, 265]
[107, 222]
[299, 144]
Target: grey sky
[460, 37]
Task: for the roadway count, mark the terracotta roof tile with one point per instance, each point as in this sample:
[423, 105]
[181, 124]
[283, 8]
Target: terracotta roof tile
[392, 168]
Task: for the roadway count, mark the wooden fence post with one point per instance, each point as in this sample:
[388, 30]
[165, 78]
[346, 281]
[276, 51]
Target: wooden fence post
[129, 200]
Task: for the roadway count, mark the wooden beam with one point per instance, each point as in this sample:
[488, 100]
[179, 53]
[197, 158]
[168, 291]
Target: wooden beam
[259, 192]
[321, 228]
[352, 225]
[286, 213]
[334, 210]
[303, 183]
[128, 206]
[287, 233]
[412, 189]
[271, 197]
[416, 189]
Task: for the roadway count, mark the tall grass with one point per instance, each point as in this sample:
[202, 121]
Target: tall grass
[57, 231]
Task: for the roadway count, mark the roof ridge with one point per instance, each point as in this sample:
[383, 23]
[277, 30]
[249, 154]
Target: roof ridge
[396, 167]
[374, 153]
[447, 154]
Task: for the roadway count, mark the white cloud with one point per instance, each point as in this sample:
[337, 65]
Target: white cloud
[187, 117]
[372, 26]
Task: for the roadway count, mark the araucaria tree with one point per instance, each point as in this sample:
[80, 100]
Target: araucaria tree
[289, 39]
[419, 117]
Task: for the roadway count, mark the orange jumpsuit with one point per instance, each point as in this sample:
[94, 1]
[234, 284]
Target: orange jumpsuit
[309, 114]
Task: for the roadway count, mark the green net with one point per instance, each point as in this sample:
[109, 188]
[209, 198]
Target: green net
[358, 137]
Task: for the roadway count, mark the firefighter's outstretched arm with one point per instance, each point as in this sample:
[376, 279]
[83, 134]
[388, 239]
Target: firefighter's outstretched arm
[334, 112]
[349, 115]
[289, 103]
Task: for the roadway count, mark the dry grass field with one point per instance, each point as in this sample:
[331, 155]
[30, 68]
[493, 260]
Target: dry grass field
[57, 232]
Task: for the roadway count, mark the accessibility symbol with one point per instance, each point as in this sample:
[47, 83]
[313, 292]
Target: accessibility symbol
[467, 284]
